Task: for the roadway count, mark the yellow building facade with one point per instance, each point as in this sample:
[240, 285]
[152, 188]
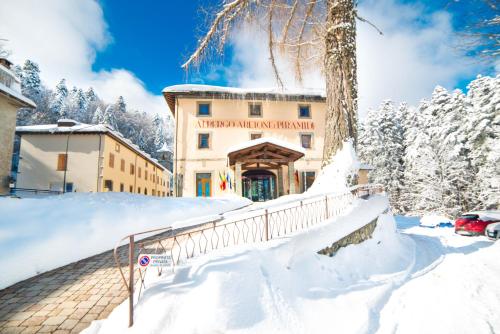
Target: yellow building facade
[75, 157]
[258, 144]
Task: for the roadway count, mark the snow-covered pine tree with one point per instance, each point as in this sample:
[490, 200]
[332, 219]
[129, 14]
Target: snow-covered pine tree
[484, 140]
[98, 117]
[109, 117]
[59, 105]
[92, 104]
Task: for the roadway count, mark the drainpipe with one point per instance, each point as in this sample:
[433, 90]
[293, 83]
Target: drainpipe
[99, 162]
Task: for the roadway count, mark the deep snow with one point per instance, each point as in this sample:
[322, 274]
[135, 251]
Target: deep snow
[419, 280]
[44, 233]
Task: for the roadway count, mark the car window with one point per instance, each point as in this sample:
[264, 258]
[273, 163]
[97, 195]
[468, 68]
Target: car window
[469, 216]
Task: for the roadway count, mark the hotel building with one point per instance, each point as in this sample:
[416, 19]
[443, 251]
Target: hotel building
[75, 157]
[260, 144]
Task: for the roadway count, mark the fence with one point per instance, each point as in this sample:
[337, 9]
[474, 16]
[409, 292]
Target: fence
[261, 224]
[33, 192]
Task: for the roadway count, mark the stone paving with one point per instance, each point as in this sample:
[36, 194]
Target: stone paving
[64, 300]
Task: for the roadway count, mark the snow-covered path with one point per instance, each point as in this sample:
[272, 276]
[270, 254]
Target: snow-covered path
[454, 286]
[415, 280]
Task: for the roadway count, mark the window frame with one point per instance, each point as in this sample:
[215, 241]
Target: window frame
[122, 165]
[111, 162]
[311, 141]
[209, 140]
[310, 111]
[198, 103]
[250, 104]
[132, 169]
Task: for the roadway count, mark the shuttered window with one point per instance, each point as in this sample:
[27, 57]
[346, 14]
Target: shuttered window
[111, 160]
[62, 162]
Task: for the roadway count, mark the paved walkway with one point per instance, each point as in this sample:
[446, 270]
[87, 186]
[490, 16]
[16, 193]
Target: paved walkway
[64, 300]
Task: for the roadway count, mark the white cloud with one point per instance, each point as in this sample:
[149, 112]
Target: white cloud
[414, 55]
[63, 37]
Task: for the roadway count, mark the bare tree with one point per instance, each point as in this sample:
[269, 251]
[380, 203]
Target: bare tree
[481, 32]
[308, 32]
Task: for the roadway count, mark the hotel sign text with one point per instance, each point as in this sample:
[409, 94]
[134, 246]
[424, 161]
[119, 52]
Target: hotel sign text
[256, 124]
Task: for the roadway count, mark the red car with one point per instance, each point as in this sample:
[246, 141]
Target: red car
[472, 224]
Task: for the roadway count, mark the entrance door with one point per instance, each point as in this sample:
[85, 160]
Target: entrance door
[204, 184]
[259, 185]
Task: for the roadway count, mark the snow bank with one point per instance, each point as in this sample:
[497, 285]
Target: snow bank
[333, 177]
[435, 220]
[49, 232]
[282, 286]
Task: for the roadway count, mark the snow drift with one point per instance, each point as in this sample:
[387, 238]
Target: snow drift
[282, 286]
[45, 233]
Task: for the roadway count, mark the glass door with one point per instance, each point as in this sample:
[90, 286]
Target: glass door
[204, 184]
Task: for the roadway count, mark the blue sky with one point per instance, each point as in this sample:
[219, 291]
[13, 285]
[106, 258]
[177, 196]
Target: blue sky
[135, 49]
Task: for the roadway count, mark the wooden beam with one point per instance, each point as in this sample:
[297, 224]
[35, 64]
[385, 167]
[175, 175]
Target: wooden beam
[256, 161]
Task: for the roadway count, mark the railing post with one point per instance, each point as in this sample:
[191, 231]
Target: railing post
[131, 281]
[266, 226]
[326, 207]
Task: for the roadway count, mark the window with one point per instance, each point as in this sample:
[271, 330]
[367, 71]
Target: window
[139, 172]
[62, 162]
[306, 140]
[132, 169]
[163, 194]
[255, 136]
[146, 175]
[153, 192]
[69, 187]
[153, 178]
[204, 109]
[307, 179]
[203, 184]
[122, 165]
[138, 190]
[146, 164]
[122, 187]
[203, 140]
[108, 185]
[117, 148]
[131, 189]
[111, 160]
[145, 191]
[255, 109]
[304, 111]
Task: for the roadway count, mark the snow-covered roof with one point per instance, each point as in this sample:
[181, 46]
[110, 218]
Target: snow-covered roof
[259, 93]
[366, 166]
[20, 98]
[164, 148]
[270, 140]
[190, 88]
[85, 128]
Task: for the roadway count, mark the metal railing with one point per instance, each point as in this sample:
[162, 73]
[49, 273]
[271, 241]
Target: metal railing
[261, 224]
[17, 191]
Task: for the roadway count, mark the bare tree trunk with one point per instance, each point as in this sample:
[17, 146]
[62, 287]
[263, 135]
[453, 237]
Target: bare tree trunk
[340, 73]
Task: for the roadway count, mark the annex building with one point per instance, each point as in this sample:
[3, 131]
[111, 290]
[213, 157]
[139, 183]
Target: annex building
[260, 144]
[76, 157]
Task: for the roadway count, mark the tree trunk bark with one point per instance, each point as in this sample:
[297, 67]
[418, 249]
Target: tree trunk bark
[340, 73]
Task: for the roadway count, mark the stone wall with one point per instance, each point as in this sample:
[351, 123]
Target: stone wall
[355, 237]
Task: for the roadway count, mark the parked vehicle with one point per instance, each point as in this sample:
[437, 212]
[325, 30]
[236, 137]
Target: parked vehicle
[474, 223]
[493, 231]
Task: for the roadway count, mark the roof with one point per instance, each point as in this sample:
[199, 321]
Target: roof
[19, 98]
[366, 166]
[219, 92]
[272, 150]
[83, 128]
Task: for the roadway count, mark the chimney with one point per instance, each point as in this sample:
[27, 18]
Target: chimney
[66, 123]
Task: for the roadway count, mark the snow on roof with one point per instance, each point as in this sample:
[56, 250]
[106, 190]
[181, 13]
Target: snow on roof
[366, 166]
[270, 140]
[486, 215]
[17, 96]
[164, 148]
[85, 128]
[190, 88]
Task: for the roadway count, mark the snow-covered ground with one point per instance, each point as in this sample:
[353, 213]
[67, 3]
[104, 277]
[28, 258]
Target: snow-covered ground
[39, 234]
[408, 279]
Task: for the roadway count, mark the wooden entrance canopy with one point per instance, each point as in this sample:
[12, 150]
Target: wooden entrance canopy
[262, 154]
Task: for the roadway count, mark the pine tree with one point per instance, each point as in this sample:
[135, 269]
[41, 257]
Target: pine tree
[58, 105]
